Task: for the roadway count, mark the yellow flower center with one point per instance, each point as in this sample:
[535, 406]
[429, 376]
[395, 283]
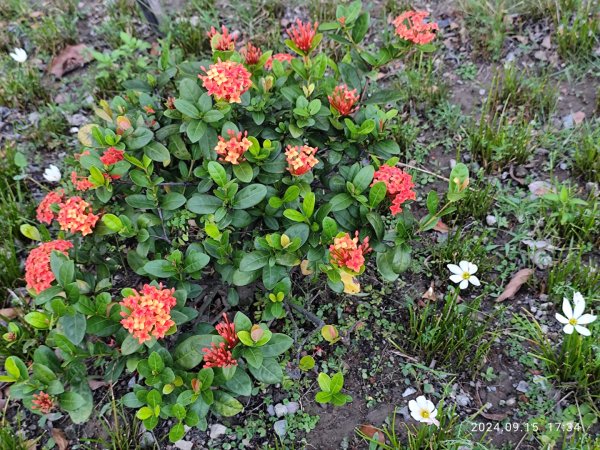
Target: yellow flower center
[573, 322]
[466, 275]
[425, 414]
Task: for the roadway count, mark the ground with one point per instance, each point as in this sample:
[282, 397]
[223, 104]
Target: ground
[521, 140]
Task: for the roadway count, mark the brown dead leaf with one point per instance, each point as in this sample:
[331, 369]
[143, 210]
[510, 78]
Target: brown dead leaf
[495, 417]
[429, 293]
[60, 438]
[31, 444]
[9, 313]
[578, 117]
[546, 42]
[96, 384]
[370, 431]
[72, 57]
[441, 227]
[518, 280]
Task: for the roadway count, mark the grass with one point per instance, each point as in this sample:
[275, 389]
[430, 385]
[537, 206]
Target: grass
[487, 23]
[586, 153]
[575, 267]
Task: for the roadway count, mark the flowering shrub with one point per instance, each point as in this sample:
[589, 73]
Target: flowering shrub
[236, 170]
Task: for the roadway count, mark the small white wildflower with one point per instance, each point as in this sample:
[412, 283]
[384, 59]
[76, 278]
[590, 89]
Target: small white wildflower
[574, 318]
[423, 410]
[19, 55]
[52, 174]
[463, 274]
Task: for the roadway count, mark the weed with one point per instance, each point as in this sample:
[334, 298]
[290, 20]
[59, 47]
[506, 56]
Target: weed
[11, 440]
[421, 85]
[497, 142]
[461, 245]
[21, 86]
[487, 22]
[574, 268]
[54, 32]
[452, 333]
[586, 154]
[577, 33]
[467, 71]
[478, 202]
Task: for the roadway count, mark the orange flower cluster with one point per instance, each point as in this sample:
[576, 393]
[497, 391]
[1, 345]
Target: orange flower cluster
[223, 42]
[281, 57]
[343, 100]
[346, 252]
[38, 274]
[302, 34]
[399, 186]
[148, 312]
[232, 150]
[251, 54]
[44, 211]
[42, 402]
[80, 183]
[226, 80]
[301, 159]
[76, 215]
[411, 26]
[112, 156]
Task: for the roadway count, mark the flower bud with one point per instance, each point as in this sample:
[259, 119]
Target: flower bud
[256, 333]
[266, 83]
[284, 240]
[330, 333]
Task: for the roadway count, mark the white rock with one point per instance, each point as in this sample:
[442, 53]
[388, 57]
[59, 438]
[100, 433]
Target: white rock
[184, 445]
[217, 430]
[280, 427]
[409, 391]
[463, 400]
[292, 407]
[523, 386]
[491, 220]
[280, 410]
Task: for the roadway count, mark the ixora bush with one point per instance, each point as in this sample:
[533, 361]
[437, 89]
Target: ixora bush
[246, 168]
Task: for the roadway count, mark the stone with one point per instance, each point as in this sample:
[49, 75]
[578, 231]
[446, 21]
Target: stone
[511, 401]
[463, 400]
[217, 430]
[408, 392]
[280, 427]
[147, 440]
[491, 220]
[270, 410]
[523, 386]
[292, 407]
[280, 410]
[184, 445]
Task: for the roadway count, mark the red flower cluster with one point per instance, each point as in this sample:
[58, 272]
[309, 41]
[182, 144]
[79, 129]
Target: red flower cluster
[301, 159]
[42, 402]
[410, 25]
[76, 215]
[399, 186]
[251, 54]
[220, 355]
[343, 100]
[346, 252]
[112, 156]
[281, 57]
[44, 211]
[38, 274]
[227, 331]
[80, 183]
[149, 312]
[232, 150]
[223, 42]
[302, 34]
[226, 80]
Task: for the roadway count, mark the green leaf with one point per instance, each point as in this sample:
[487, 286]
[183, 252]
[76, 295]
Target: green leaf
[172, 201]
[225, 405]
[377, 194]
[242, 322]
[189, 354]
[277, 345]
[196, 261]
[341, 201]
[112, 222]
[269, 372]
[177, 431]
[155, 362]
[323, 397]
[73, 327]
[308, 205]
[337, 383]
[204, 204]
[240, 383]
[361, 26]
[243, 172]
[254, 261]
[213, 116]
[306, 363]
[157, 152]
[249, 196]
[187, 108]
[363, 178]
[253, 356]
[139, 138]
[16, 368]
[130, 345]
[160, 268]
[144, 413]
[324, 382]
[377, 223]
[30, 232]
[189, 90]
[217, 173]
[37, 320]
[330, 229]
[70, 401]
[294, 215]
[384, 96]
[196, 130]
[432, 202]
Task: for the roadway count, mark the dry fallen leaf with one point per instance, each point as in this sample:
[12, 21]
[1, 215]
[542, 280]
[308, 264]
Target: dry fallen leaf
[495, 417]
[96, 384]
[578, 117]
[546, 42]
[72, 57]
[9, 313]
[441, 227]
[371, 431]
[304, 268]
[429, 293]
[60, 438]
[518, 280]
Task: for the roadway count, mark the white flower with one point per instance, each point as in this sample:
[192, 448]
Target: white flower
[423, 410]
[19, 55]
[463, 274]
[52, 174]
[574, 317]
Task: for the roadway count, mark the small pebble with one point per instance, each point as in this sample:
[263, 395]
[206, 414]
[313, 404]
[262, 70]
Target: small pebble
[523, 386]
[491, 220]
[408, 392]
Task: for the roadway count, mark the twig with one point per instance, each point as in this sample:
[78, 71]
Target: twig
[408, 166]
[307, 314]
